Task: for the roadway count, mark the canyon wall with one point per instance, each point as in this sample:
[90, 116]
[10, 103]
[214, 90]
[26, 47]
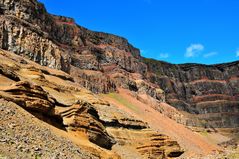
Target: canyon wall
[209, 91]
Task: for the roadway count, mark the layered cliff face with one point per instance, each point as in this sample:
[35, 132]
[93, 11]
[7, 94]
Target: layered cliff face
[57, 42]
[208, 91]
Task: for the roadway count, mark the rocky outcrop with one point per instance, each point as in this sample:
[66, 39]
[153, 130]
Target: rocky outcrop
[82, 117]
[144, 143]
[28, 96]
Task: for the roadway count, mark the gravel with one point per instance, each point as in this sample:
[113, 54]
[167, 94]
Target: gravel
[22, 137]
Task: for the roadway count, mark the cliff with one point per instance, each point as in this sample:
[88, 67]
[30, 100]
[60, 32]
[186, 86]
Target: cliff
[57, 66]
[208, 91]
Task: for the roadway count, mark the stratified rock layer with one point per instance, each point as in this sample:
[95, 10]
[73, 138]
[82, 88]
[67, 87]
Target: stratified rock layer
[209, 91]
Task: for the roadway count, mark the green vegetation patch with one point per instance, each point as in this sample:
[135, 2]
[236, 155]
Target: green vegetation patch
[122, 101]
[204, 133]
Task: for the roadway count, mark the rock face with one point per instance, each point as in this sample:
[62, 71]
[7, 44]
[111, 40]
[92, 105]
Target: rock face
[57, 42]
[209, 91]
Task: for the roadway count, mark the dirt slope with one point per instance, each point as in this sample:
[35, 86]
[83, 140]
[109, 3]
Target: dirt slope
[193, 143]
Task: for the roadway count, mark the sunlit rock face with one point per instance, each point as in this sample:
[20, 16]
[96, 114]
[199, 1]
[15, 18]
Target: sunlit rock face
[211, 92]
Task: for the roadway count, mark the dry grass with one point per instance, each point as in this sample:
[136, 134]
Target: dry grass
[122, 101]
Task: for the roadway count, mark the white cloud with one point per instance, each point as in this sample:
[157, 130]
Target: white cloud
[164, 55]
[237, 53]
[194, 50]
[210, 54]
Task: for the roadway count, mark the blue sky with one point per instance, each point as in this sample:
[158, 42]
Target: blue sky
[177, 31]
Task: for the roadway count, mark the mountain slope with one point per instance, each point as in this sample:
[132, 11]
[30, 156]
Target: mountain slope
[192, 142]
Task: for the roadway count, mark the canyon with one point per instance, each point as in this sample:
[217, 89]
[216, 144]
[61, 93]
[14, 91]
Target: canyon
[97, 97]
